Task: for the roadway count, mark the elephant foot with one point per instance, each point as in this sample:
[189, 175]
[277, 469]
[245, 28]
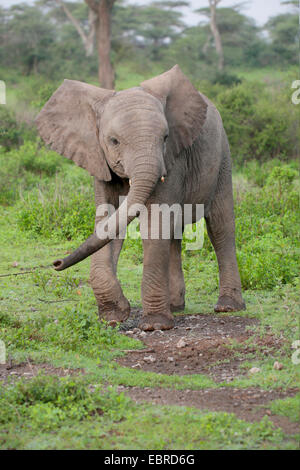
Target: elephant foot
[152, 322]
[228, 304]
[114, 313]
[177, 308]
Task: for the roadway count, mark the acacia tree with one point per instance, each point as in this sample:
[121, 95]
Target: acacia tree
[157, 24]
[212, 14]
[75, 12]
[215, 32]
[87, 38]
[100, 14]
[25, 37]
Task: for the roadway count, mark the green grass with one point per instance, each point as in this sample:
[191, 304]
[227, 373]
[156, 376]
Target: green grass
[148, 427]
[289, 407]
[267, 74]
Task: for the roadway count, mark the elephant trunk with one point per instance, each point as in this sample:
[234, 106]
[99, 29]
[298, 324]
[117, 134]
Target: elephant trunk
[143, 182]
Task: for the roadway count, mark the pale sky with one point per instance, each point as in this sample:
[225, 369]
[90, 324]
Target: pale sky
[260, 10]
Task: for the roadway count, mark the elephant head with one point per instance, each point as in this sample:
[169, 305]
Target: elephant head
[134, 133]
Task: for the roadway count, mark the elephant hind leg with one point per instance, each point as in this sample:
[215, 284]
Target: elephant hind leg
[221, 230]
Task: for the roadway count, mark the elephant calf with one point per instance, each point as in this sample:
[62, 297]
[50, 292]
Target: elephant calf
[162, 142]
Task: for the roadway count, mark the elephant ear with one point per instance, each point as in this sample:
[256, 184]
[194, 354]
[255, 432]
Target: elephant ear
[184, 107]
[68, 124]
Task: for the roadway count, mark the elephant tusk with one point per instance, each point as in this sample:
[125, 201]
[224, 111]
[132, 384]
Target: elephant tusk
[129, 182]
[162, 179]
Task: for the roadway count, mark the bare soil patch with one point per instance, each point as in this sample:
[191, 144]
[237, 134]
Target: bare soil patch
[28, 370]
[199, 344]
[249, 404]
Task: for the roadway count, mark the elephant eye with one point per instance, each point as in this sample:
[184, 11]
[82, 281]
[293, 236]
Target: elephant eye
[166, 137]
[114, 141]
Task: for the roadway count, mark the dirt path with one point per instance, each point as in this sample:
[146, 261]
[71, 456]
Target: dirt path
[250, 404]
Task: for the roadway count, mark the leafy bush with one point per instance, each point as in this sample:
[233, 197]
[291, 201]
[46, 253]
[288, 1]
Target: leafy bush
[11, 133]
[260, 121]
[281, 178]
[226, 78]
[22, 169]
[34, 157]
[258, 174]
[45, 402]
[60, 210]
[267, 261]
[44, 94]
[79, 329]
[267, 231]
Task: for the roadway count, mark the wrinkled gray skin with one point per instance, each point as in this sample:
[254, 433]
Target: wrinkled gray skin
[163, 128]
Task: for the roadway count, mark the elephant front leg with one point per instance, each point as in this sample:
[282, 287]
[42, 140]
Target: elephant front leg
[112, 304]
[155, 286]
[176, 278]
[221, 230]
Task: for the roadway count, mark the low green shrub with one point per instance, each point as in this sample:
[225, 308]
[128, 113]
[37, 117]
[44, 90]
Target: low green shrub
[288, 407]
[226, 78]
[260, 120]
[267, 230]
[22, 169]
[46, 402]
[59, 215]
[11, 132]
[34, 157]
[79, 329]
[44, 94]
[258, 173]
[267, 261]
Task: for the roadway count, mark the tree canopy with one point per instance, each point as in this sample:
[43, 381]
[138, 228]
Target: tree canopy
[41, 38]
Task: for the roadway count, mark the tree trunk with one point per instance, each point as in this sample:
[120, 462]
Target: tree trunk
[206, 45]
[89, 43]
[103, 10]
[105, 71]
[215, 31]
